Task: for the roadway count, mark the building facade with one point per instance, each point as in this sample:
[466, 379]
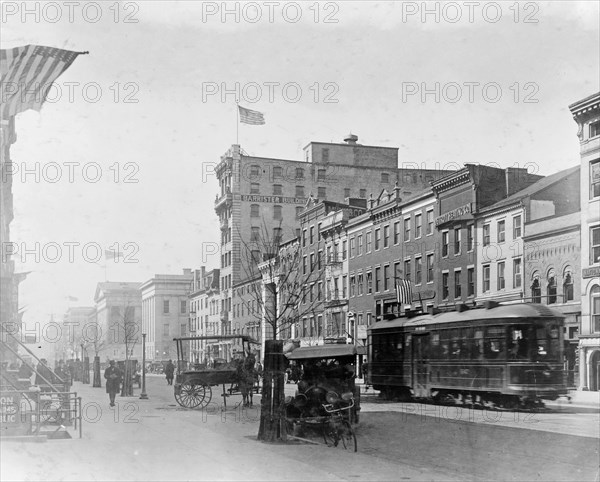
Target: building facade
[260, 199]
[204, 302]
[586, 113]
[460, 198]
[119, 319]
[164, 302]
[77, 331]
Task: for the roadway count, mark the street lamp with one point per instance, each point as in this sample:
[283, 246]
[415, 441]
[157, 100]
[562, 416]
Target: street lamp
[143, 395]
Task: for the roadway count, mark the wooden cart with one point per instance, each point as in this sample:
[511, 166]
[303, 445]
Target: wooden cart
[193, 387]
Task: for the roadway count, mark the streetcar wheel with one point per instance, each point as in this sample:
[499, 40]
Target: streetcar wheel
[347, 436]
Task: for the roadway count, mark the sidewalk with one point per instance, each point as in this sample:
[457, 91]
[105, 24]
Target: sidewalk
[587, 399]
[156, 439]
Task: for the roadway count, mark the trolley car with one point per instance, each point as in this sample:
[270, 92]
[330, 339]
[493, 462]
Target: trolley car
[192, 388]
[508, 356]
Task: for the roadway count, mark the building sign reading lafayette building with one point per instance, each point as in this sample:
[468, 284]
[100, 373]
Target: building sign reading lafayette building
[272, 199]
[454, 214]
[593, 272]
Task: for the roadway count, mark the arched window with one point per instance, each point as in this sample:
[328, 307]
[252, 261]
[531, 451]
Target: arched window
[551, 287]
[595, 309]
[536, 289]
[568, 284]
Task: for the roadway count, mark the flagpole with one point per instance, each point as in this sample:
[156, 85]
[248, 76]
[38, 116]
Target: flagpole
[237, 123]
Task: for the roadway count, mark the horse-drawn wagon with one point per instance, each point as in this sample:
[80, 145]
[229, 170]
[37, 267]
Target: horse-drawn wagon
[194, 382]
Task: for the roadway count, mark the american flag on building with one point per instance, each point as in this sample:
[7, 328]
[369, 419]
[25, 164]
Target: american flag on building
[26, 75]
[404, 291]
[251, 117]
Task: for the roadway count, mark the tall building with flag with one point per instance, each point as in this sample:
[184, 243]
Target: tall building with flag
[260, 199]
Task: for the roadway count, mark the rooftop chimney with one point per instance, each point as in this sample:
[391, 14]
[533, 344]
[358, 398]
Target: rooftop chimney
[351, 139]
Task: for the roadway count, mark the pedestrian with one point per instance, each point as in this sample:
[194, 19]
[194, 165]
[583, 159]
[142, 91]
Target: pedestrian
[25, 372]
[113, 381]
[169, 370]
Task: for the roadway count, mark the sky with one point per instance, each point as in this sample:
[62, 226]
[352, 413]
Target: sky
[152, 109]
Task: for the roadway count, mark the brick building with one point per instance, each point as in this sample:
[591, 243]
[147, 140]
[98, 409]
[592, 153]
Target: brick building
[262, 198]
[460, 198]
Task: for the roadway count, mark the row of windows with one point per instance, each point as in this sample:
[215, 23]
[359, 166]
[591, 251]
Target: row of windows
[517, 229]
[334, 325]
[277, 211]
[249, 307]
[301, 192]
[517, 278]
[298, 173]
[203, 304]
[458, 284]
[473, 343]
[383, 238]
[167, 306]
[551, 287]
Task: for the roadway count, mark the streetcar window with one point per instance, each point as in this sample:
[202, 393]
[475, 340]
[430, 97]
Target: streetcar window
[477, 352]
[435, 345]
[494, 344]
[456, 345]
[520, 341]
[548, 342]
[444, 344]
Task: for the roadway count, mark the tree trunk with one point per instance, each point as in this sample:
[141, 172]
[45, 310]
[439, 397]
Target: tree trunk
[273, 394]
[86, 370]
[97, 379]
[127, 390]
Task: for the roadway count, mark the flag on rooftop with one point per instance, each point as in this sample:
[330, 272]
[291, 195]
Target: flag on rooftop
[26, 75]
[251, 117]
[404, 291]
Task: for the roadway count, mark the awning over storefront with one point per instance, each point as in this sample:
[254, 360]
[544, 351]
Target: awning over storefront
[322, 351]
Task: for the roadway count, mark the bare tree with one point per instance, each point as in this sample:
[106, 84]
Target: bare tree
[292, 279]
[291, 288]
[126, 329]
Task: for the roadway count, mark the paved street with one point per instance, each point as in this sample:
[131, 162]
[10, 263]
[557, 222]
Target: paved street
[158, 440]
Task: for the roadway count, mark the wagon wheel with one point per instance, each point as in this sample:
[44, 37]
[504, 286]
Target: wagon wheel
[193, 393]
[348, 439]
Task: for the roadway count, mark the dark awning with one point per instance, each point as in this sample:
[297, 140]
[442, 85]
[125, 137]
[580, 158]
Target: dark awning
[322, 351]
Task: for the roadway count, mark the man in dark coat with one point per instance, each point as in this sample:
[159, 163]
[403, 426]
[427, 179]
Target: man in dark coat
[113, 381]
[169, 370]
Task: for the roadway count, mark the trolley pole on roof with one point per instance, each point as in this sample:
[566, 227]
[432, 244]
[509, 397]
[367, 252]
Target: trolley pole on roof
[143, 395]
